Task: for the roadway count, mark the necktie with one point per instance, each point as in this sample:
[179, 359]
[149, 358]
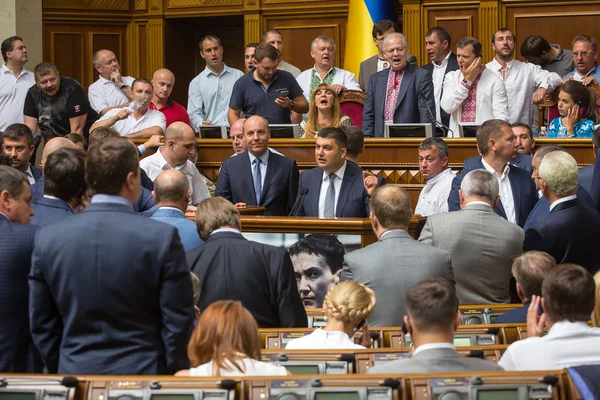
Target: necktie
[257, 177]
[330, 198]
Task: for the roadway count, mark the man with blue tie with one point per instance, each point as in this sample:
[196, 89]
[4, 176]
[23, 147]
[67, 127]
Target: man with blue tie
[259, 177]
[18, 145]
[64, 185]
[336, 187]
[172, 194]
[16, 246]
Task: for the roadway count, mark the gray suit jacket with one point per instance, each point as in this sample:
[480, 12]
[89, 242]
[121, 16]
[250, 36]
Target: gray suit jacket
[369, 67]
[482, 245]
[390, 267]
[435, 360]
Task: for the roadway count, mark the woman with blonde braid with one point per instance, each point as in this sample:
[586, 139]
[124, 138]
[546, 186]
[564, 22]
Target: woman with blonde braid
[347, 307]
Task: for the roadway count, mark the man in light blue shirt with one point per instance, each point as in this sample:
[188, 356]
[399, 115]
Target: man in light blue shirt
[209, 93]
[172, 194]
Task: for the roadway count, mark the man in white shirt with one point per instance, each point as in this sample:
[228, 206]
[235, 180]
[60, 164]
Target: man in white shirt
[136, 121]
[15, 81]
[568, 301]
[274, 38]
[111, 90]
[432, 320]
[210, 92]
[438, 42]
[525, 83]
[433, 165]
[322, 50]
[180, 142]
[472, 94]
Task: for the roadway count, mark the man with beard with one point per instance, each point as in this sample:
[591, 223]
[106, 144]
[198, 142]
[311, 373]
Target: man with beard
[266, 91]
[57, 104]
[525, 83]
[111, 90]
[136, 122]
[210, 92]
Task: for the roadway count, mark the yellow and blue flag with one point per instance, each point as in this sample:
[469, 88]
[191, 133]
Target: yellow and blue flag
[362, 14]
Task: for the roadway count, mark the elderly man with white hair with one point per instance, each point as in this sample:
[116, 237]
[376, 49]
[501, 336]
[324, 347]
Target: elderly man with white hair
[570, 231]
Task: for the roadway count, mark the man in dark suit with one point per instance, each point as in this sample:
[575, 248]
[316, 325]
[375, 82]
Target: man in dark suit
[64, 185]
[230, 267]
[437, 43]
[110, 292]
[337, 187]
[378, 62]
[542, 207]
[529, 271]
[18, 144]
[16, 246]
[569, 233]
[259, 177]
[496, 143]
[432, 319]
[400, 94]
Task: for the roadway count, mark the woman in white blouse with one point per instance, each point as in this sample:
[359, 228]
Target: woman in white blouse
[347, 307]
[226, 343]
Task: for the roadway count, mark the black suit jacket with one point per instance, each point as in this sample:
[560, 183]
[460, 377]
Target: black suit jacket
[260, 276]
[525, 194]
[16, 246]
[110, 294]
[451, 66]
[569, 234]
[353, 200]
[279, 190]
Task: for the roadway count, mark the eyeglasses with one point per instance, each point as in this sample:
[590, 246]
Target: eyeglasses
[582, 53]
[396, 50]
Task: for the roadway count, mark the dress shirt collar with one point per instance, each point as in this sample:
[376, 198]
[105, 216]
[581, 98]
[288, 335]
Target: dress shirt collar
[104, 80]
[171, 208]
[444, 62]
[47, 196]
[438, 177]
[109, 198]
[28, 172]
[6, 70]
[208, 71]
[567, 328]
[162, 161]
[221, 230]
[493, 171]
[563, 200]
[590, 72]
[498, 67]
[432, 346]
[317, 72]
[5, 216]
[479, 203]
[391, 230]
[264, 158]
[339, 173]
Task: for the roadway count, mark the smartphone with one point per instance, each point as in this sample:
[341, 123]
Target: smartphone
[581, 108]
[284, 93]
[361, 324]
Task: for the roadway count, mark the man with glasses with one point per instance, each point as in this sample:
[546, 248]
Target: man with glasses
[584, 56]
[402, 93]
[378, 62]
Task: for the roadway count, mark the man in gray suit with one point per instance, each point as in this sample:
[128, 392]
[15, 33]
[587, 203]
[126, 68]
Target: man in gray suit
[397, 261]
[378, 62]
[432, 320]
[482, 244]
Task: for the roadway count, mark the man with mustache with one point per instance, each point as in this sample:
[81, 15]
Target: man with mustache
[525, 83]
[111, 90]
[210, 92]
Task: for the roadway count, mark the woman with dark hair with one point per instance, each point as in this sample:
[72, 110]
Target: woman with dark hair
[226, 343]
[577, 109]
[323, 112]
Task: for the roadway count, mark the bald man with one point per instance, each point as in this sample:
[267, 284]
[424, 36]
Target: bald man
[163, 81]
[179, 147]
[37, 189]
[111, 90]
[172, 194]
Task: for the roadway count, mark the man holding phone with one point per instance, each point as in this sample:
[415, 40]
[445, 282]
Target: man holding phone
[266, 91]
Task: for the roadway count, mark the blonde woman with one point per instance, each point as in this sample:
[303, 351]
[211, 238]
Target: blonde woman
[347, 307]
[324, 111]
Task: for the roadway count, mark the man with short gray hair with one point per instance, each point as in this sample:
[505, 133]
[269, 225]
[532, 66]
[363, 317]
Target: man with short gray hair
[433, 165]
[570, 231]
[483, 272]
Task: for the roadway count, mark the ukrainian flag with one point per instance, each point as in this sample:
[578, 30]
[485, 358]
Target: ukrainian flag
[362, 14]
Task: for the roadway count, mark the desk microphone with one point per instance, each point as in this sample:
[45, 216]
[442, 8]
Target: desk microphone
[443, 127]
[299, 201]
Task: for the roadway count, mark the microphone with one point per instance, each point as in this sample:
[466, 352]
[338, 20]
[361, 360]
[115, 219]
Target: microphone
[299, 201]
[443, 127]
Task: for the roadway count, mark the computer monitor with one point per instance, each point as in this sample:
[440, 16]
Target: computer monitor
[213, 131]
[468, 129]
[408, 130]
[285, 131]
